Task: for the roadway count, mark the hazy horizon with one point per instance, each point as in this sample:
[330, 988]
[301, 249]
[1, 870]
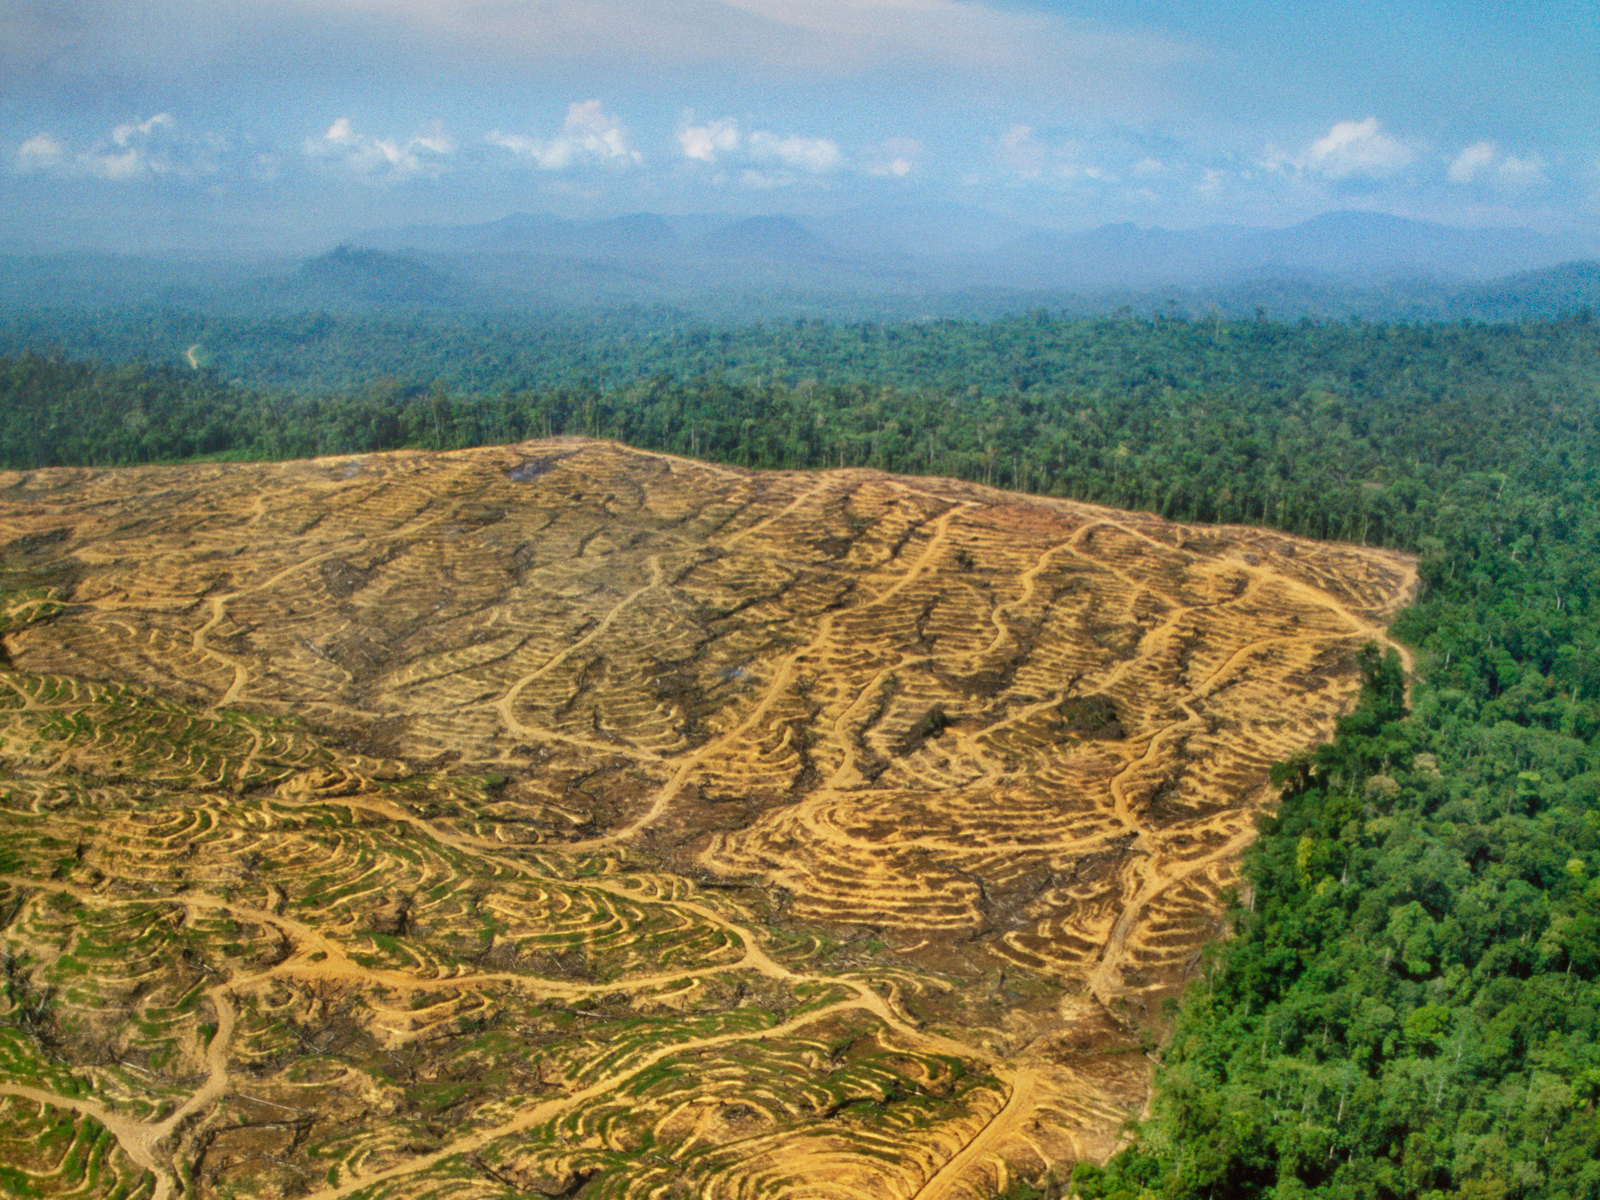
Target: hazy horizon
[291, 124]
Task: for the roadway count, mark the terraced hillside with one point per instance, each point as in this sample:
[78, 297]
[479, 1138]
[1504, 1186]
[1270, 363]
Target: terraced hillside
[565, 820]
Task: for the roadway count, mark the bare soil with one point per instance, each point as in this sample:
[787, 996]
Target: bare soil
[563, 819]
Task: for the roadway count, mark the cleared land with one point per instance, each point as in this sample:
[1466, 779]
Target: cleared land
[563, 819]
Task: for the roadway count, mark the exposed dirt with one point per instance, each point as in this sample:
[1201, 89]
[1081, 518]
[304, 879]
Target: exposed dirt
[563, 819]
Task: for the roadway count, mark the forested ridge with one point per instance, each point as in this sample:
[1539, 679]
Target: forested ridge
[1346, 431]
[1411, 1003]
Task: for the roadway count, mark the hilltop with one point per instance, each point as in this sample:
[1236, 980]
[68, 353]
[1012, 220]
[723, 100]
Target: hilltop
[562, 816]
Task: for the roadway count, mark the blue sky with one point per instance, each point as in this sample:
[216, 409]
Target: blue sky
[284, 124]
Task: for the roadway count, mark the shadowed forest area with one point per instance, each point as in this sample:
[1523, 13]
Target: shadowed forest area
[1411, 1003]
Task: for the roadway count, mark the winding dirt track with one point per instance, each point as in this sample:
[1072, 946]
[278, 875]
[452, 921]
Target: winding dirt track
[561, 817]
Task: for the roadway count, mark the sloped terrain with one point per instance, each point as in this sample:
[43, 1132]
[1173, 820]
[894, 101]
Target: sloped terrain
[563, 819]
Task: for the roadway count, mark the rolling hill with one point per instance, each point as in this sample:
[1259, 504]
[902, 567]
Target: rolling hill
[563, 819]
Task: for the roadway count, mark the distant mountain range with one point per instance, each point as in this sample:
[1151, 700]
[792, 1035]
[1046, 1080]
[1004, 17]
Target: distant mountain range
[888, 262]
[948, 246]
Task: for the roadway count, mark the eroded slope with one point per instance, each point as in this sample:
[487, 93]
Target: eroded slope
[565, 818]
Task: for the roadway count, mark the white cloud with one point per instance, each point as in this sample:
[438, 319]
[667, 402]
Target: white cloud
[379, 158]
[340, 133]
[1057, 158]
[817, 155]
[1482, 163]
[1516, 174]
[1354, 149]
[42, 152]
[128, 164]
[705, 143]
[894, 158]
[1022, 152]
[134, 150]
[770, 160]
[588, 135]
[124, 135]
[1471, 162]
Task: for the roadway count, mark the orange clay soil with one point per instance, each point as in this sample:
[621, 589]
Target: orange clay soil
[564, 819]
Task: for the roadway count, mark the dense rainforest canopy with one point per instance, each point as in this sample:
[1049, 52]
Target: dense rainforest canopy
[1411, 1006]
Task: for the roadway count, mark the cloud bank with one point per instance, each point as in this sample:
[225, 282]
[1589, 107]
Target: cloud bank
[1017, 106]
[380, 159]
[588, 135]
[1482, 164]
[1353, 149]
[768, 159]
[152, 148]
